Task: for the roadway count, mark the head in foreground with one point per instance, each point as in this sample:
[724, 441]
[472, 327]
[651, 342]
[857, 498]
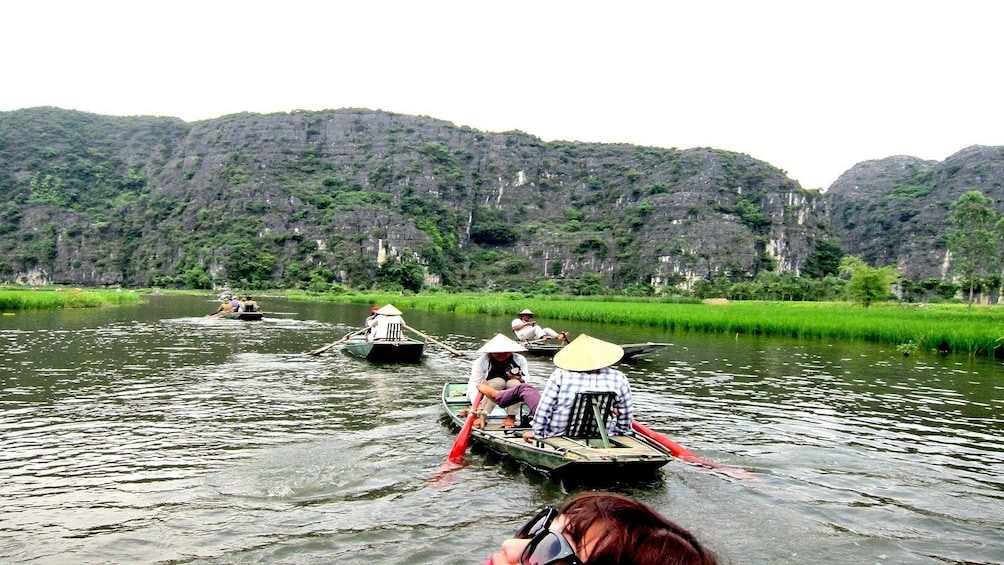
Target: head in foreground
[599, 528]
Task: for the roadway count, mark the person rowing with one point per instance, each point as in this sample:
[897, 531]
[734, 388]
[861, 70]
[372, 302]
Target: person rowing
[500, 367]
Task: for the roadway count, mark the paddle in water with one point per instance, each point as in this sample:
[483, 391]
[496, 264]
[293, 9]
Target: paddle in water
[321, 350]
[464, 437]
[685, 454]
[440, 344]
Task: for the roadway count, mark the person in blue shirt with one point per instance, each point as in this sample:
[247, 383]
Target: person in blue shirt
[582, 365]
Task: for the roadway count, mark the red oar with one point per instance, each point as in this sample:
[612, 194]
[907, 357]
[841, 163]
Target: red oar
[685, 454]
[464, 437]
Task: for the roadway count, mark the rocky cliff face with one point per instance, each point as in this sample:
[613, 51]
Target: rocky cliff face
[895, 211]
[286, 198]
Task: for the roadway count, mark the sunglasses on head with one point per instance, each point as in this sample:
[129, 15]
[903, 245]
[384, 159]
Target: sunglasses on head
[545, 547]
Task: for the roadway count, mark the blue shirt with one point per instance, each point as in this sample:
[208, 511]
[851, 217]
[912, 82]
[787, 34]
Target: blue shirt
[555, 406]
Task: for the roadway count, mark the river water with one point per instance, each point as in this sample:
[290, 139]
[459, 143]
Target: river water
[152, 434]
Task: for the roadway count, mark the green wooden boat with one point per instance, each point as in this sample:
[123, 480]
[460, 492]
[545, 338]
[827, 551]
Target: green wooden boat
[401, 350]
[631, 350]
[588, 456]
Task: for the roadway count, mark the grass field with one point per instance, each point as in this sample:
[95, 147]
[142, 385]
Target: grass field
[953, 328]
[54, 297]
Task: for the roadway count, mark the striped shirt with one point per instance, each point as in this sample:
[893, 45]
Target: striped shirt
[554, 410]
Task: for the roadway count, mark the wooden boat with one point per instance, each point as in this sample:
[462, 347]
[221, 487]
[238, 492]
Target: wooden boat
[583, 454]
[631, 350]
[401, 350]
[244, 316]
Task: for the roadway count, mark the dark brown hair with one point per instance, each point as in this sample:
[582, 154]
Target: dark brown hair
[634, 533]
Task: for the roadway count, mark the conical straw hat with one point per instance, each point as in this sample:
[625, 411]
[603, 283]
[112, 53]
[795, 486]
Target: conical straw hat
[388, 310]
[526, 312]
[501, 344]
[586, 353]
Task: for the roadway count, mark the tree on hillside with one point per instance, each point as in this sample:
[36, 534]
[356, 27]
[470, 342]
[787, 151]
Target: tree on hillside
[973, 240]
[868, 284]
[399, 274]
[823, 261]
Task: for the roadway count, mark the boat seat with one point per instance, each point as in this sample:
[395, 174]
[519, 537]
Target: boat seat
[590, 412]
[394, 332]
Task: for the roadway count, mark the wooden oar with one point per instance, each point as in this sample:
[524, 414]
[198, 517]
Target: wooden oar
[443, 345]
[321, 350]
[685, 454]
[464, 437]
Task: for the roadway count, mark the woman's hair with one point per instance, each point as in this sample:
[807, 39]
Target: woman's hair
[633, 533]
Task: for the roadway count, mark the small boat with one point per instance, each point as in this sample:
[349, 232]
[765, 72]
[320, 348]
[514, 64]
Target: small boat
[631, 350]
[401, 350]
[586, 453]
[244, 316]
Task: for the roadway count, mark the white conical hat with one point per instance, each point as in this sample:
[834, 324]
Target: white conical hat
[526, 312]
[501, 344]
[388, 310]
[586, 353]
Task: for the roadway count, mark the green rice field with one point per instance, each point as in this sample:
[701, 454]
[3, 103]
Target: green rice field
[48, 298]
[948, 328]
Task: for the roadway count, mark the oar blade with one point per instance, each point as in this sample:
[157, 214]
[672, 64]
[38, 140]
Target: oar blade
[464, 437]
[685, 454]
[324, 348]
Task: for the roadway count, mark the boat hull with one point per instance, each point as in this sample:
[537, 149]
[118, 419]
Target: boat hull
[243, 316]
[629, 456]
[631, 350]
[405, 350]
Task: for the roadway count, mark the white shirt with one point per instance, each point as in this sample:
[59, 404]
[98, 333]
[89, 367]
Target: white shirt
[380, 323]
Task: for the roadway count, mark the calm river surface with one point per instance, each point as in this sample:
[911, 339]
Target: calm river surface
[152, 434]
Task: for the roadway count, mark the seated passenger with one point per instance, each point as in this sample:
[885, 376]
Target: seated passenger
[522, 392]
[224, 308]
[500, 367]
[583, 365]
[528, 330]
[385, 317]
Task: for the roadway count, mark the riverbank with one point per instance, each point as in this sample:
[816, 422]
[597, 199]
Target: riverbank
[55, 297]
[948, 328]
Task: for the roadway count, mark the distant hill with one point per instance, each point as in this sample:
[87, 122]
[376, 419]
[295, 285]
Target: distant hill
[894, 211]
[359, 197]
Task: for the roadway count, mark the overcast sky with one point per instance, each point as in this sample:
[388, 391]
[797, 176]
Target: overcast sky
[810, 86]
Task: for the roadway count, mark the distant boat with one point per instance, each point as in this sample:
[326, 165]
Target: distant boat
[631, 350]
[225, 294]
[400, 350]
[244, 316]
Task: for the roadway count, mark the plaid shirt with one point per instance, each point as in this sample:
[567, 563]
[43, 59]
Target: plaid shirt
[555, 406]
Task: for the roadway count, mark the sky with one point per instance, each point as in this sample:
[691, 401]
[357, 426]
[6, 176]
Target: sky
[812, 87]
